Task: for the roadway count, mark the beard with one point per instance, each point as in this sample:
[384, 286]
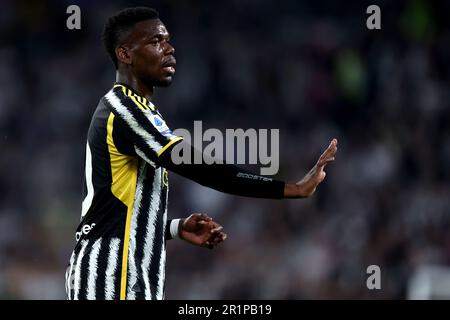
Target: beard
[164, 82]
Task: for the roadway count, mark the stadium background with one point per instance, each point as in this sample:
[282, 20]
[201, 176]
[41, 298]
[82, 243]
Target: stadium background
[309, 68]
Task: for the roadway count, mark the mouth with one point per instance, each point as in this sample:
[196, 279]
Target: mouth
[169, 66]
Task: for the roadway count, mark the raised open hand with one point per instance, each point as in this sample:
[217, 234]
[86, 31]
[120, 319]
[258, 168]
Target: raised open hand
[306, 187]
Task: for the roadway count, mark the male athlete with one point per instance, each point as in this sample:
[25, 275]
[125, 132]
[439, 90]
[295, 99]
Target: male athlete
[121, 240]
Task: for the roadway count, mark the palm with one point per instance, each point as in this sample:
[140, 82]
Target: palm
[311, 180]
[316, 175]
[306, 187]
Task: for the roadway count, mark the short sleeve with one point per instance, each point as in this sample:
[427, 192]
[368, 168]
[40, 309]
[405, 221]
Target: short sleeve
[140, 123]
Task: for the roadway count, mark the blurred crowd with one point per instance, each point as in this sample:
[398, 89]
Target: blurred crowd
[309, 68]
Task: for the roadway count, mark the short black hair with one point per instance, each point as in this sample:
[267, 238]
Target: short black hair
[119, 24]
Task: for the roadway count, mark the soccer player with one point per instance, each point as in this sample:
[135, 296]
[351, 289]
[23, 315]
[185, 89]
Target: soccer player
[120, 250]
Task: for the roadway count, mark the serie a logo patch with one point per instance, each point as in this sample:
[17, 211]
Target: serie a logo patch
[160, 124]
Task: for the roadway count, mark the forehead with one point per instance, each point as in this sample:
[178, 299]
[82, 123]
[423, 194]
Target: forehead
[148, 28]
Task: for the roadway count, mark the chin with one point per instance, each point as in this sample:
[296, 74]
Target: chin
[164, 82]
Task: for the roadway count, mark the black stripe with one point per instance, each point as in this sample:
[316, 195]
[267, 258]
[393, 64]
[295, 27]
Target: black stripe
[84, 272]
[123, 145]
[164, 196]
[102, 263]
[118, 275]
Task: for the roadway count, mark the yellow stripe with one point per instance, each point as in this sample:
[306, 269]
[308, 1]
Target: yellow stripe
[121, 86]
[130, 94]
[124, 170]
[140, 105]
[149, 105]
[144, 102]
[168, 145]
[133, 97]
[141, 102]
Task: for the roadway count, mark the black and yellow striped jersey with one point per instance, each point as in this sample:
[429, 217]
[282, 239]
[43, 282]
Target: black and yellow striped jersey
[120, 251]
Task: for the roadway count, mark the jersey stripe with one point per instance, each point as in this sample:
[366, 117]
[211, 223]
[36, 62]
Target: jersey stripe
[90, 188]
[78, 274]
[160, 152]
[111, 267]
[142, 100]
[136, 101]
[132, 271]
[93, 270]
[143, 156]
[70, 277]
[162, 262]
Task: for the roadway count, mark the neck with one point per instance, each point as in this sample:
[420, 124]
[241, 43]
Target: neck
[131, 81]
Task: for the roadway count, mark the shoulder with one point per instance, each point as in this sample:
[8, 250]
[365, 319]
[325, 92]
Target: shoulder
[121, 94]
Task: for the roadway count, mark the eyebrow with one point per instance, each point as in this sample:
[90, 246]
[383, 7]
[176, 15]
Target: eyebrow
[157, 35]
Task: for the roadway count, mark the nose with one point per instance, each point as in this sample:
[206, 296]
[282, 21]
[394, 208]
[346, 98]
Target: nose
[169, 50]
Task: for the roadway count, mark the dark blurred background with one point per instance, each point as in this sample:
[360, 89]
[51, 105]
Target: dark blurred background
[309, 68]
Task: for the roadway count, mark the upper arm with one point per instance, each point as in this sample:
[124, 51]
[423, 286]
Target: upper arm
[140, 125]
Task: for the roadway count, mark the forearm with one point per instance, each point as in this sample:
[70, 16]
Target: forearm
[233, 180]
[229, 179]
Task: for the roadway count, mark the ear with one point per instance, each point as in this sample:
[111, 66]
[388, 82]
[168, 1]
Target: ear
[123, 55]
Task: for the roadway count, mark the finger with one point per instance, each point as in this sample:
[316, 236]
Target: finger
[213, 224]
[328, 154]
[330, 151]
[201, 217]
[332, 147]
[322, 162]
[219, 238]
[334, 141]
[215, 236]
[223, 237]
[322, 159]
[215, 239]
[216, 230]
